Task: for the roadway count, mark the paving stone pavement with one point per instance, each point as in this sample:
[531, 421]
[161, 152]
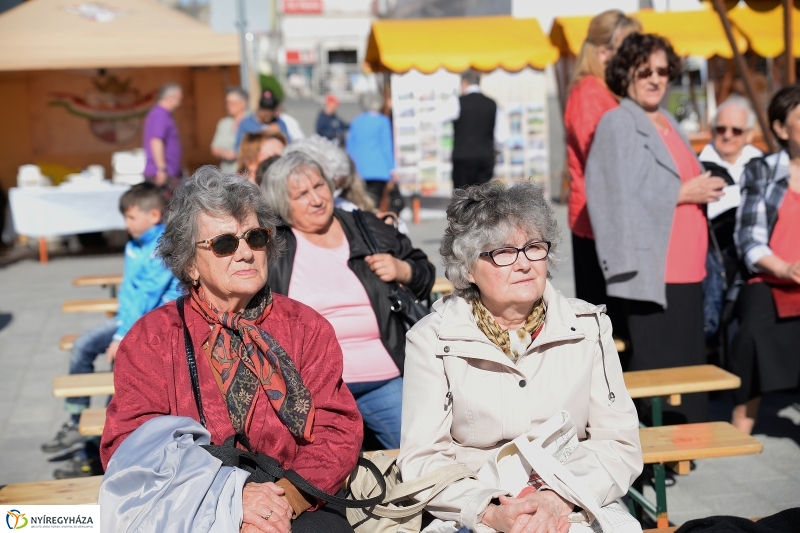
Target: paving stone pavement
[31, 324]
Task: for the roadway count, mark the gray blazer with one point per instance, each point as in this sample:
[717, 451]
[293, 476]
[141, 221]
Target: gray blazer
[632, 188]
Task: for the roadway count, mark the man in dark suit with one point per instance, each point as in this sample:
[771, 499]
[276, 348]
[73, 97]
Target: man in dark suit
[476, 128]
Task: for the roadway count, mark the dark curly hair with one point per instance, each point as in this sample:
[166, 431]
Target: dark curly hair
[634, 51]
[781, 105]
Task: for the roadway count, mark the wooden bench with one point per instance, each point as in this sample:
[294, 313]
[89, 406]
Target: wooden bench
[92, 422]
[104, 280]
[672, 382]
[76, 385]
[67, 342]
[683, 443]
[442, 286]
[99, 305]
[78, 491]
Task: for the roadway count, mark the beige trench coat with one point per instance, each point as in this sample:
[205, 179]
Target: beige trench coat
[463, 398]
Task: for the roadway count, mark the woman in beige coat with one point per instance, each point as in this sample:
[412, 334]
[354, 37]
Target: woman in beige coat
[502, 355]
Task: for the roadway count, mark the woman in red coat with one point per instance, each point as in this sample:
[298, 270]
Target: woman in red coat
[589, 99]
[268, 366]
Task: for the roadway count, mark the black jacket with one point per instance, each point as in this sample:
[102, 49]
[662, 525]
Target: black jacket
[389, 240]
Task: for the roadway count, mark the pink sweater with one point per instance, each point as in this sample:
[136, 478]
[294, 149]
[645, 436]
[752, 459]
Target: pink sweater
[322, 280]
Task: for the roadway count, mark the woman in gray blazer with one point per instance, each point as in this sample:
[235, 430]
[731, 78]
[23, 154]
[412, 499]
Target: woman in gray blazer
[646, 192]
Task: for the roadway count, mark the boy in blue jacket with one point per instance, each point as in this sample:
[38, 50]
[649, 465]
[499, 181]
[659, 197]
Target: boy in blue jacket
[146, 284]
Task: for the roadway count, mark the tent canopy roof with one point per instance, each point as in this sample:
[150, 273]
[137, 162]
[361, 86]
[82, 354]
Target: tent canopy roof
[457, 44]
[698, 33]
[44, 35]
[764, 29]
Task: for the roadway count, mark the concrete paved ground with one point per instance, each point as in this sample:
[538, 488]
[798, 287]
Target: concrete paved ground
[31, 324]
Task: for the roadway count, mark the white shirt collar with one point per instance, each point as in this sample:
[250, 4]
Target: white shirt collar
[711, 155]
[472, 89]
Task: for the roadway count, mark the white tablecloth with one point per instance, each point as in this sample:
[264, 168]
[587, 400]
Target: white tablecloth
[52, 211]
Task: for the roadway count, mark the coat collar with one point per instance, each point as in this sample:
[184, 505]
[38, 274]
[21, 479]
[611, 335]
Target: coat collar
[653, 140]
[358, 248]
[560, 324]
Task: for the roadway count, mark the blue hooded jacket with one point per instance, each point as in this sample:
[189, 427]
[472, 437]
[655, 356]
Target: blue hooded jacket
[146, 282]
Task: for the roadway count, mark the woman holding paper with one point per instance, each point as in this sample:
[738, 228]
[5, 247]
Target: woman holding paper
[503, 355]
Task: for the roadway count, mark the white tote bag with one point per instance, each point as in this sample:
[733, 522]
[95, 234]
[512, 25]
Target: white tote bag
[544, 450]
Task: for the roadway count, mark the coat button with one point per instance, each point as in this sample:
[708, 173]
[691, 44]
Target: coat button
[446, 349]
[573, 329]
[522, 383]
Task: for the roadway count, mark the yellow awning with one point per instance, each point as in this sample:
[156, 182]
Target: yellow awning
[698, 33]
[457, 44]
[764, 30]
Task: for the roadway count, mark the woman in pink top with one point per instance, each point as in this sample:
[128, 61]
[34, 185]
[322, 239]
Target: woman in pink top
[327, 266]
[646, 193]
[589, 98]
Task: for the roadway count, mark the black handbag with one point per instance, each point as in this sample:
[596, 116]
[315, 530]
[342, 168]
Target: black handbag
[404, 303]
[262, 467]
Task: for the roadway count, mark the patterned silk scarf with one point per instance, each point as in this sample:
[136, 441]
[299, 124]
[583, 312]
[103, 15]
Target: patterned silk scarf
[247, 357]
[499, 336]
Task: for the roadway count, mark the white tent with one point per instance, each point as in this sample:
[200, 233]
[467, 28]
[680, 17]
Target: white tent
[65, 34]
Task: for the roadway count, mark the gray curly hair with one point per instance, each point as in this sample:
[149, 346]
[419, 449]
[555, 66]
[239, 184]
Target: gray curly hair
[332, 159]
[482, 217]
[213, 193]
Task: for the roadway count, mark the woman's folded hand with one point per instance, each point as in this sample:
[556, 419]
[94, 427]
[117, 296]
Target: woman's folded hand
[539, 512]
[701, 189]
[265, 509]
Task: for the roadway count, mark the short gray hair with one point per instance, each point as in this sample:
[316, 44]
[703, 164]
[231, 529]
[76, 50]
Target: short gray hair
[213, 193]
[276, 182]
[471, 77]
[372, 101]
[167, 88]
[238, 91]
[480, 219]
[331, 158]
[739, 102]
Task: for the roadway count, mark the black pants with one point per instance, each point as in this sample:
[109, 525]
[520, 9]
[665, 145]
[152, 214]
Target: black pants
[666, 338]
[375, 189]
[590, 285]
[475, 171]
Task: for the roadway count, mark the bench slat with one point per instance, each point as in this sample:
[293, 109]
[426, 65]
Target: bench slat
[641, 384]
[679, 380]
[99, 305]
[67, 342]
[55, 492]
[442, 286]
[695, 441]
[101, 280]
[96, 383]
[92, 422]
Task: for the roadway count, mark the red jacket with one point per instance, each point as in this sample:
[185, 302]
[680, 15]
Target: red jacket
[587, 103]
[151, 378]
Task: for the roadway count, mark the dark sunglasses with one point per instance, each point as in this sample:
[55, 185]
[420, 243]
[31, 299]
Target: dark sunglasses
[736, 132]
[645, 73]
[228, 243]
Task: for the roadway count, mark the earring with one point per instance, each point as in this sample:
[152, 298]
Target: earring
[195, 282]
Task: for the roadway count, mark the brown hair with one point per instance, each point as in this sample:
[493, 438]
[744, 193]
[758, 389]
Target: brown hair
[251, 145]
[604, 29]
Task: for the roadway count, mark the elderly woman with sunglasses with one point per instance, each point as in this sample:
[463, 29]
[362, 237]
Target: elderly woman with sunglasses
[329, 266]
[504, 354]
[646, 193]
[219, 241]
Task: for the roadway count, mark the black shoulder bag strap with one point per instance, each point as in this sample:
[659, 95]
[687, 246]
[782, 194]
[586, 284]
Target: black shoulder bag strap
[262, 467]
[192, 362]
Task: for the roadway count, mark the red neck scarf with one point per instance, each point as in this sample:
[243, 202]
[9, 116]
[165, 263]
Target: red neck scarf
[248, 358]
